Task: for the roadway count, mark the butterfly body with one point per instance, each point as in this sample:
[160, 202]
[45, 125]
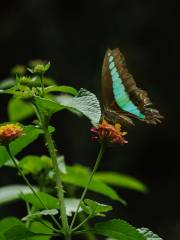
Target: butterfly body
[122, 99]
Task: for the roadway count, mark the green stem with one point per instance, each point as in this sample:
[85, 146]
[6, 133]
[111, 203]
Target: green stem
[28, 212]
[52, 151]
[42, 84]
[50, 227]
[98, 160]
[81, 224]
[89, 235]
[60, 192]
[68, 237]
[28, 183]
[81, 216]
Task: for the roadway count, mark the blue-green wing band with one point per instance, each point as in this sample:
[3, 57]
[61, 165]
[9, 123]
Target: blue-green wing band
[121, 97]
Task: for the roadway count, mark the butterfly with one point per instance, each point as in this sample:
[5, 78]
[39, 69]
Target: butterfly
[123, 101]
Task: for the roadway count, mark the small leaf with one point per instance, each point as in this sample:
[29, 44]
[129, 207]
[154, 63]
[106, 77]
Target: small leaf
[119, 230]
[121, 180]
[18, 232]
[12, 193]
[9, 222]
[48, 107]
[21, 91]
[34, 164]
[94, 208]
[31, 164]
[51, 202]
[12, 228]
[149, 235]
[38, 227]
[38, 214]
[78, 178]
[64, 89]
[7, 83]
[19, 110]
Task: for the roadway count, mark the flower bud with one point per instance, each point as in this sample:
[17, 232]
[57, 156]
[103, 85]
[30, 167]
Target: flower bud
[9, 132]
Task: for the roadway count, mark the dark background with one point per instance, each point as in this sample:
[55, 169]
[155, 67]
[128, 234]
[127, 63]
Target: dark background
[74, 36]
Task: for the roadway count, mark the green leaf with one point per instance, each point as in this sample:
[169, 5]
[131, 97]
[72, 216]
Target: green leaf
[49, 212]
[18, 232]
[2, 237]
[12, 228]
[48, 107]
[34, 164]
[7, 83]
[51, 202]
[64, 89]
[9, 222]
[19, 110]
[38, 227]
[149, 235]
[80, 179]
[31, 133]
[86, 103]
[12, 193]
[94, 208]
[21, 91]
[119, 230]
[121, 180]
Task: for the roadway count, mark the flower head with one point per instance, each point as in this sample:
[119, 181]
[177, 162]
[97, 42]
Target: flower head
[109, 133]
[39, 67]
[9, 132]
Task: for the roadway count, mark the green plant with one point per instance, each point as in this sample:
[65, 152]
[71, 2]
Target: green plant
[52, 207]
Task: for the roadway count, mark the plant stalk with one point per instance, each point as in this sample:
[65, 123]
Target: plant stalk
[81, 217]
[52, 152]
[89, 234]
[42, 83]
[82, 223]
[60, 191]
[98, 160]
[28, 183]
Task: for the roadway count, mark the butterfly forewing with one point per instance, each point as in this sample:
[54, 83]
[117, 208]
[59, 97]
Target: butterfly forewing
[120, 93]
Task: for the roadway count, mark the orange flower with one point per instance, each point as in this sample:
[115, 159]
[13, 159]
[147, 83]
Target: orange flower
[109, 133]
[9, 132]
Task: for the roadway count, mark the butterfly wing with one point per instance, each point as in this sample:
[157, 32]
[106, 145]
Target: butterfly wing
[119, 86]
[112, 112]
